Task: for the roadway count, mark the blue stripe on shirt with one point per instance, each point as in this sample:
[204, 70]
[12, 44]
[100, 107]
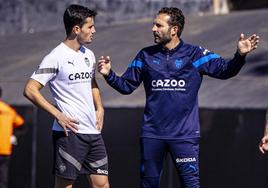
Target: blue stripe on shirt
[136, 63]
[205, 59]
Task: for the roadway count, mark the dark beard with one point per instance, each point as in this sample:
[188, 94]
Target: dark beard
[163, 41]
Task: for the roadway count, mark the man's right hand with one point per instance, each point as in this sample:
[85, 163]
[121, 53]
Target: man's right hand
[104, 65]
[67, 123]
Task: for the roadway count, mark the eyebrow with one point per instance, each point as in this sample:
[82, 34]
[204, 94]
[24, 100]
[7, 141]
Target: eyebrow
[157, 23]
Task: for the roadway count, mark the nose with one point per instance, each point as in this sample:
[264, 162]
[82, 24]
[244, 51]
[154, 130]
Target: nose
[154, 28]
[93, 30]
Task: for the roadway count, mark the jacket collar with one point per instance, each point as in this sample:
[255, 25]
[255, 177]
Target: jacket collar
[174, 50]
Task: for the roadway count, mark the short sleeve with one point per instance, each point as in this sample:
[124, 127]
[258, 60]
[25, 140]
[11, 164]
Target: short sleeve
[47, 70]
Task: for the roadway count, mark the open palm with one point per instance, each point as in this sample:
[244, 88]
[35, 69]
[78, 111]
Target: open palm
[246, 45]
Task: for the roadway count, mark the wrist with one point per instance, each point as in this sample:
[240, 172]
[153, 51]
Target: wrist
[100, 109]
[108, 73]
[241, 53]
[57, 115]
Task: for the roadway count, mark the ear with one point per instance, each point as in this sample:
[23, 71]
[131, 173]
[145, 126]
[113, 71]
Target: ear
[76, 29]
[174, 30]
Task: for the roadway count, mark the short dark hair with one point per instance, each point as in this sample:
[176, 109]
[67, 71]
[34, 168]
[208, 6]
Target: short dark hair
[176, 17]
[76, 15]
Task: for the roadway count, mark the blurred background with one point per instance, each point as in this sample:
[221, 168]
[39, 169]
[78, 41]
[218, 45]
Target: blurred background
[232, 112]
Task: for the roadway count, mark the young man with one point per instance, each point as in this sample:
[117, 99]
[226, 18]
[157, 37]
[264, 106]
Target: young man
[70, 71]
[172, 72]
[264, 141]
[9, 119]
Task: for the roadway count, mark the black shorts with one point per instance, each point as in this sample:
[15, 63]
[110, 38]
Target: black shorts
[79, 154]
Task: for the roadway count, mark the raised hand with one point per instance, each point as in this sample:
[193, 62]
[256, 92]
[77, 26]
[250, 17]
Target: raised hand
[246, 45]
[67, 123]
[104, 65]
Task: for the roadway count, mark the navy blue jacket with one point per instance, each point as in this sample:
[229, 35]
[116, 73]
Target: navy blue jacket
[171, 80]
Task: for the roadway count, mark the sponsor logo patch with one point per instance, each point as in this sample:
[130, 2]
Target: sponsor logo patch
[81, 75]
[168, 85]
[100, 171]
[185, 160]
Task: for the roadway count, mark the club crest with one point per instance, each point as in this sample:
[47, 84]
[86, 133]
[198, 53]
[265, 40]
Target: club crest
[87, 61]
[178, 63]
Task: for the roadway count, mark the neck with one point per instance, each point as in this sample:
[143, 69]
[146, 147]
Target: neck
[172, 44]
[72, 43]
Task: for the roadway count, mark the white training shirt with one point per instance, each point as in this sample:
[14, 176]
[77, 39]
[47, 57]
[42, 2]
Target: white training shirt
[70, 74]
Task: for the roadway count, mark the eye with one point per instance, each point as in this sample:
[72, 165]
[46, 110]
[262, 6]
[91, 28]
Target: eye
[156, 25]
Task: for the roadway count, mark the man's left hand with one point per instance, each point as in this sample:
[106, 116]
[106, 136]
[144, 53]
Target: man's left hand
[246, 45]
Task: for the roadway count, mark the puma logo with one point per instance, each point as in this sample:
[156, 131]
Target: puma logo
[72, 63]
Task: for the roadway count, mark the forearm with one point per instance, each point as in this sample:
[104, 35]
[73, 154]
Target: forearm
[34, 95]
[228, 69]
[236, 64]
[97, 97]
[120, 84]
